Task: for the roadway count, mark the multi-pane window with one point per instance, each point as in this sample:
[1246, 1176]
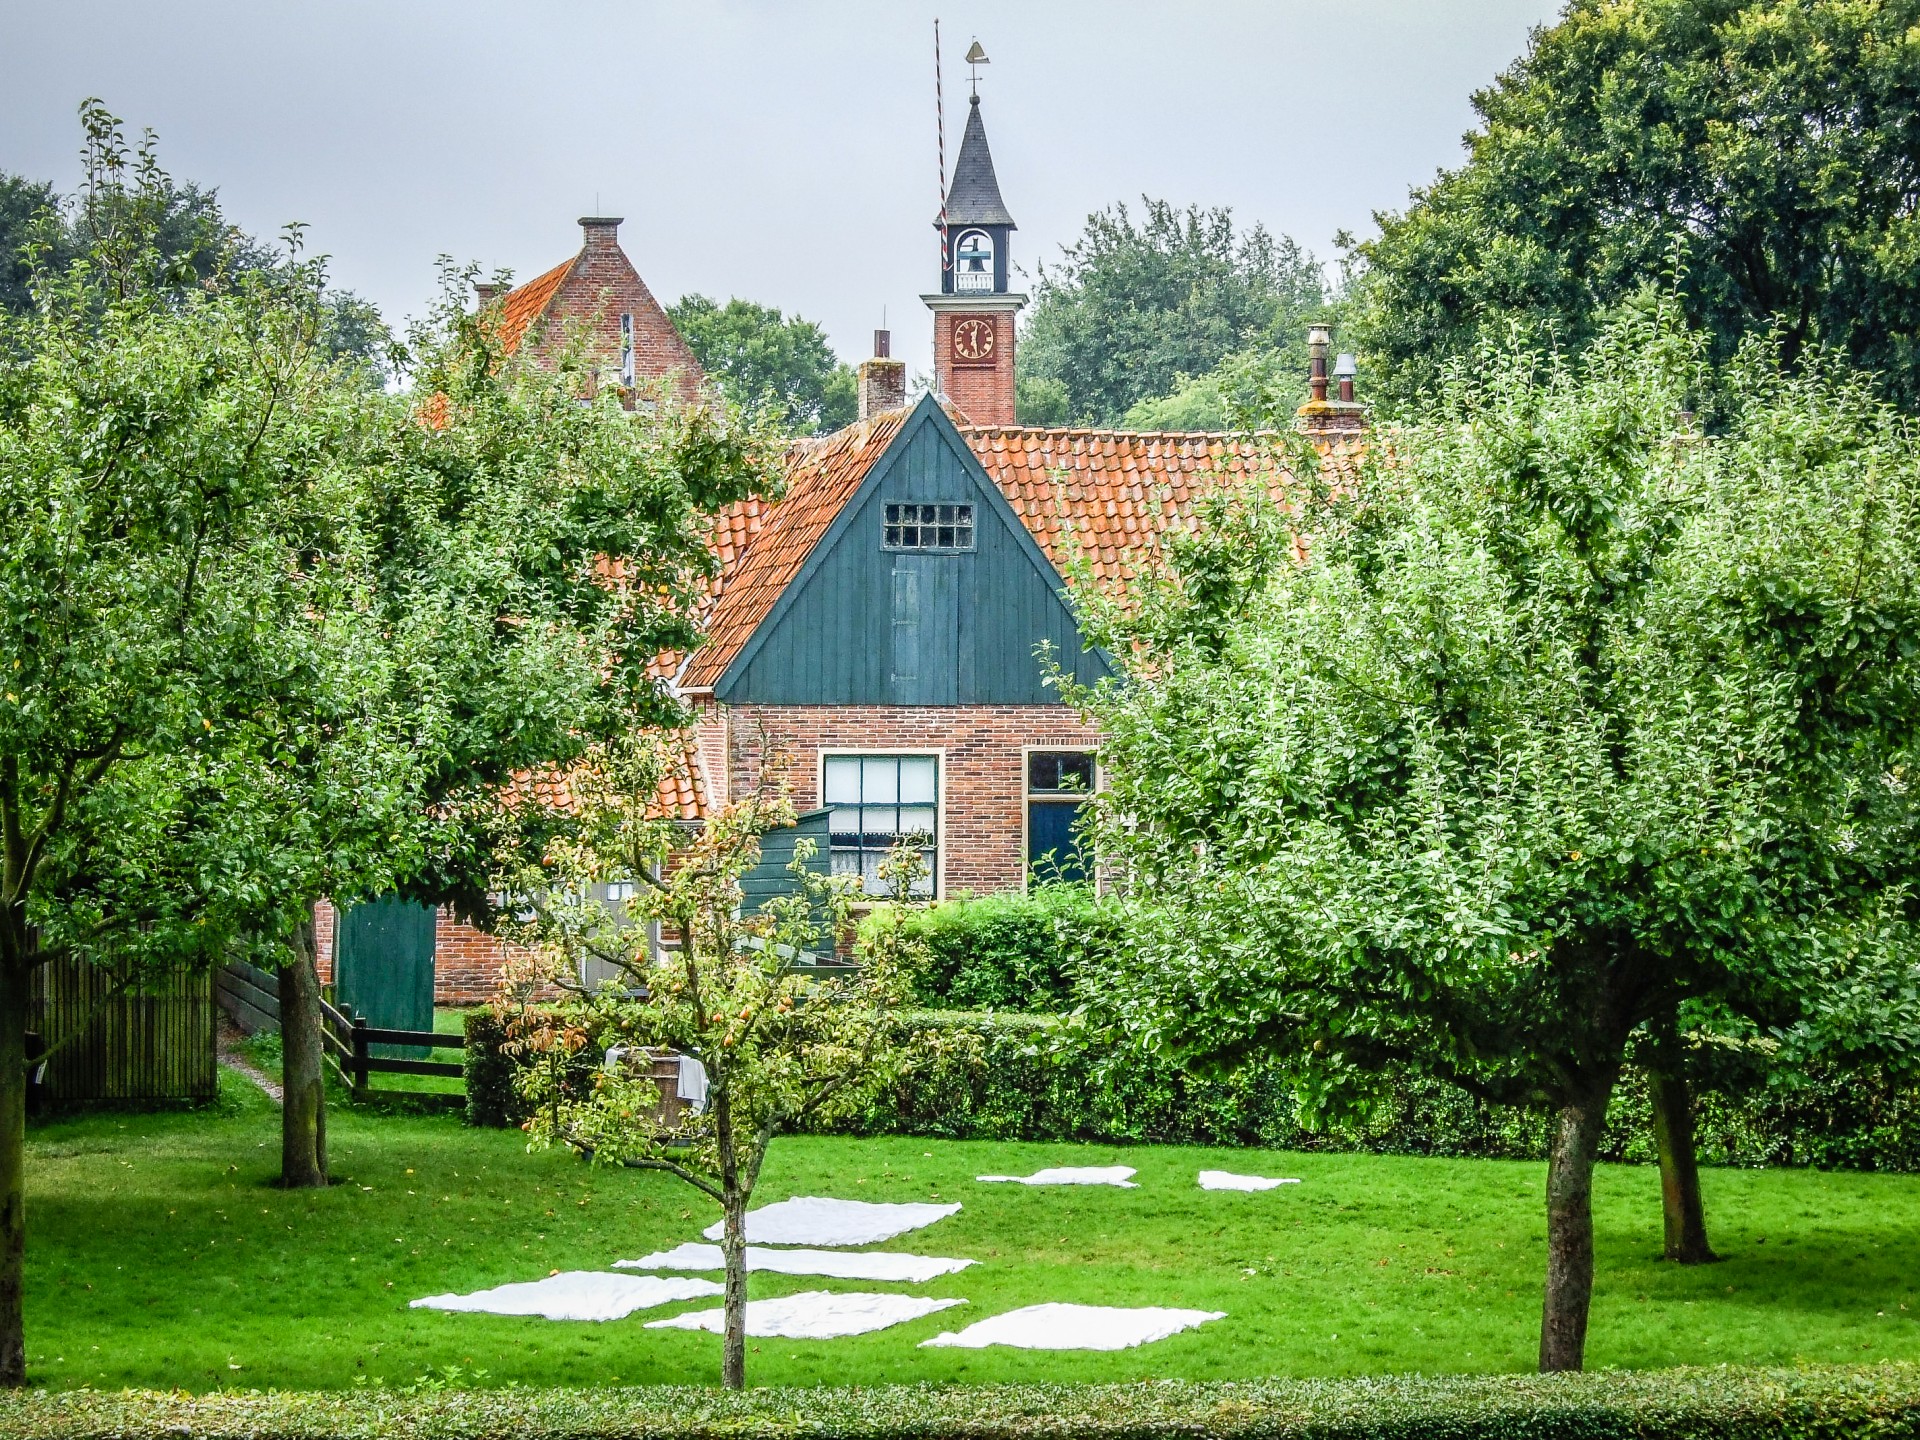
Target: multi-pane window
[876, 800]
[1058, 783]
[929, 527]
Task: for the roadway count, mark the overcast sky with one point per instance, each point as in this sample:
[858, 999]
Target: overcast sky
[775, 149]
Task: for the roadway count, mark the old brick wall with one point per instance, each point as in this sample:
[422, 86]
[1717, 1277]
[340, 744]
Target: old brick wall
[982, 393]
[983, 779]
[601, 286]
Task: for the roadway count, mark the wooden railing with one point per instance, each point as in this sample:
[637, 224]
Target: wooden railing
[252, 997]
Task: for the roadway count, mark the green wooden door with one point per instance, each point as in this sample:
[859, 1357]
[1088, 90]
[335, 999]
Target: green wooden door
[383, 968]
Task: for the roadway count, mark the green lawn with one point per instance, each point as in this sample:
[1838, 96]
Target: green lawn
[161, 1256]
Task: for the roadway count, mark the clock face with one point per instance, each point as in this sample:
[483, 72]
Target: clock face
[972, 341]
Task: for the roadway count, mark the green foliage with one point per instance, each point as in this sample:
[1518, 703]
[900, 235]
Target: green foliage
[769, 363]
[1040, 400]
[1245, 391]
[1132, 308]
[1012, 951]
[1762, 146]
[1548, 738]
[1807, 1403]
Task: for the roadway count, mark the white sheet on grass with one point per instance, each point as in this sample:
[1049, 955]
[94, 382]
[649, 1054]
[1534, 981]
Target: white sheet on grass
[576, 1295]
[810, 1220]
[813, 1315]
[1121, 1175]
[1227, 1180]
[838, 1264]
[1076, 1327]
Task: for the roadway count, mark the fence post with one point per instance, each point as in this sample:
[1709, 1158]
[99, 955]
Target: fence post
[359, 1058]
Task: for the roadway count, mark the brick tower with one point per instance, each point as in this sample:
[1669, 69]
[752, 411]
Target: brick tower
[974, 311]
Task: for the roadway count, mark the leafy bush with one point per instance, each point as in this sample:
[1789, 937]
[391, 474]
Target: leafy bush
[1010, 951]
[1814, 1403]
[1013, 1077]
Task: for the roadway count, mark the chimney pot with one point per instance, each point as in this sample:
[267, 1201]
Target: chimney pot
[1344, 369]
[1319, 337]
[601, 230]
[882, 344]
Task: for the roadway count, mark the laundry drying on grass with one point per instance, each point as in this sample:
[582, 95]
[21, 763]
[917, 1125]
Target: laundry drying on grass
[812, 1220]
[576, 1295]
[813, 1315]
[1075, 1327]
[836, 1264]
[1120, 1175]
[1227, 1180]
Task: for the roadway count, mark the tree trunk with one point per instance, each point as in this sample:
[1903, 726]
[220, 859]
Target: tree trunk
[1569, 1286]
[1685, 1214]
[15, 977]
[733, 1244]
[303, 1112]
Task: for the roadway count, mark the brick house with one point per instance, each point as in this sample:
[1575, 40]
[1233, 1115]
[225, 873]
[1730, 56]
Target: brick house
[878, 628]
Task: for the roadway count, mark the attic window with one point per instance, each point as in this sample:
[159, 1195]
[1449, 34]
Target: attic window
[626, 350]
[930, 527]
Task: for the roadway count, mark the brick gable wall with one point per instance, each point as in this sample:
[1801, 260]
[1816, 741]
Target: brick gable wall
[602, 285]
[983, 781]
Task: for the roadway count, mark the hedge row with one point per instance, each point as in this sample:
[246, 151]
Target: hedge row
[998, 1077]
[1811, 1404]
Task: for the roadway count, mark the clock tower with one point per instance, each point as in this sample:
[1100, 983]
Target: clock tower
[973, 312]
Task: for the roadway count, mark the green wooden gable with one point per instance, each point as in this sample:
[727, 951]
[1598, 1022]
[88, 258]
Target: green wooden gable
[861, 624]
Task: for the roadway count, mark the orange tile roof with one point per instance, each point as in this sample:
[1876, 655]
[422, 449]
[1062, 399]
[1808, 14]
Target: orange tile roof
[684, 792]
[521, 306]
[822, 475]
[1111, 493]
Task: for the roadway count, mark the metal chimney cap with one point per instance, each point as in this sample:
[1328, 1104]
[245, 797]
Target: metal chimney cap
[1345, 367]
[1319, 335]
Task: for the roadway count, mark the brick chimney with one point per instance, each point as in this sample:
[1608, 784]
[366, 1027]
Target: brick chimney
[1321, 416]
[602, 231]
[488, 291]
[883, 380]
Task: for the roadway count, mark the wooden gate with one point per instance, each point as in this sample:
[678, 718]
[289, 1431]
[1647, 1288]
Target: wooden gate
[150, 1043]
[383, 967]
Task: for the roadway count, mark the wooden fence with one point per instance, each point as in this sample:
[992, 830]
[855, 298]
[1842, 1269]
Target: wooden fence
[152, 1042]
[252, 997]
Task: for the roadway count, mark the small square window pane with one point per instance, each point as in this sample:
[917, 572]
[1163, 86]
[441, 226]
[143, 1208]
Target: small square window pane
[916, 820]
[842, 780]
[917, 774]
[879, 781]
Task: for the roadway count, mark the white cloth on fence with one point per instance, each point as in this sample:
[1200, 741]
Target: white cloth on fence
[1121, 1175]
[836, 1264]
[811, 1220]
[1227, 1180]
[813, 1315]
[576, 1295]
[1075, 1327]
[692, 1085]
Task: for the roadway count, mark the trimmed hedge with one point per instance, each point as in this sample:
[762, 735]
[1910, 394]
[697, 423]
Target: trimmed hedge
[999, 1077]
[1011, 951]
[1824, 1403]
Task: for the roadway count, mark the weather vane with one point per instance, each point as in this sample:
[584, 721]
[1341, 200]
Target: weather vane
[976, 57]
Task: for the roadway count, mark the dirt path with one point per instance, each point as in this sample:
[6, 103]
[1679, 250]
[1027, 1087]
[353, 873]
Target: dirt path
[231, 1057]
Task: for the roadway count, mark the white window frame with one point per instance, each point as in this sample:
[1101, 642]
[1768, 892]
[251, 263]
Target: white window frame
[626, 349]
[976, 282]
[888, 752]
[1027, 752]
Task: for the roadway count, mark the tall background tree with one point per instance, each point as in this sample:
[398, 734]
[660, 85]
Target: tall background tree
[1140, 306]
[1767, 151]
[1568, 721]
[769, 364]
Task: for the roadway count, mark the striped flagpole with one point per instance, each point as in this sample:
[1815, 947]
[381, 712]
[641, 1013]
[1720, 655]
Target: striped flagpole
[940, 123]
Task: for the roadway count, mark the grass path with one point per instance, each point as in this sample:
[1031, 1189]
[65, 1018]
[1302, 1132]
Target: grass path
[160, 1255]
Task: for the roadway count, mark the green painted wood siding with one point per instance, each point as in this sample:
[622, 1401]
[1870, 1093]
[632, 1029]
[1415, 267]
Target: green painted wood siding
[863, 625]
